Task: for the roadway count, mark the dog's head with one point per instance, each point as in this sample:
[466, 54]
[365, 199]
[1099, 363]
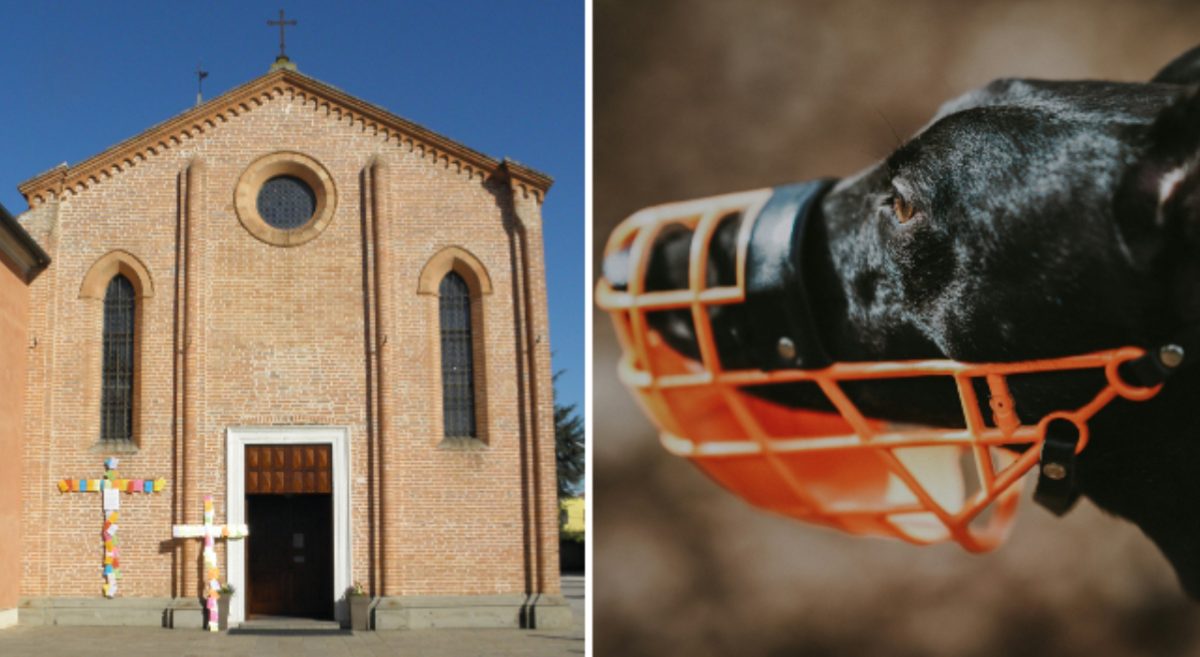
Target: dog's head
[1029, 219]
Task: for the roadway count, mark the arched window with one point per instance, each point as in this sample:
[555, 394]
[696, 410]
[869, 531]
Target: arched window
[116, 402]
[458, 377]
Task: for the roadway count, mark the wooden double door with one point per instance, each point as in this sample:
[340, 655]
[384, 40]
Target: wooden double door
[289, 508]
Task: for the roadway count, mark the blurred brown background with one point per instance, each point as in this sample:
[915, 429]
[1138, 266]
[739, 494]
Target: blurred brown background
[699, 97]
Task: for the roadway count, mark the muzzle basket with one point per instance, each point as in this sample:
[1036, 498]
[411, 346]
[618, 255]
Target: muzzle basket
[844, 469]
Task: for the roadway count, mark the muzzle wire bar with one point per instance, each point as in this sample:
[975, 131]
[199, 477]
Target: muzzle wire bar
[845, 469]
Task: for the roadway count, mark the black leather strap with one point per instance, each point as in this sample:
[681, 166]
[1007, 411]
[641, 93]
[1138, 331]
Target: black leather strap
[778, 318]
[1056, 488]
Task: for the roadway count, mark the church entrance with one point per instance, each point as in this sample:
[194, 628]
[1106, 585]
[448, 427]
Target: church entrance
[289, 508]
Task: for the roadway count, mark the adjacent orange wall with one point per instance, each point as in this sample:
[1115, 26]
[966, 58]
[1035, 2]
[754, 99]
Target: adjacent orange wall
[14, 315]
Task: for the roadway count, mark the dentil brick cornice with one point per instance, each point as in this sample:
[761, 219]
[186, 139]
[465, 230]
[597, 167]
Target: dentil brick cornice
[320, 97]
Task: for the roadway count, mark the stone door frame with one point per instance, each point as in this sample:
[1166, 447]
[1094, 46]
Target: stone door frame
[338, 437]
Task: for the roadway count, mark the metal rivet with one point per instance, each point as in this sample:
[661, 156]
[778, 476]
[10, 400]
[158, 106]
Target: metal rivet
[1054, 471]
[786, 348]
[1171, 355]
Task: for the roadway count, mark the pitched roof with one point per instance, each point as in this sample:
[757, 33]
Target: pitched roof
[20, 248]
[245, 98]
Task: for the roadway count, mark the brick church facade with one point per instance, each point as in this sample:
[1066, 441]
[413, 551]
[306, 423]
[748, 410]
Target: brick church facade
[328, 318]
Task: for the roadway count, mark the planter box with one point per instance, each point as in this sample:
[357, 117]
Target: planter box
[360, 612]
[223, 612]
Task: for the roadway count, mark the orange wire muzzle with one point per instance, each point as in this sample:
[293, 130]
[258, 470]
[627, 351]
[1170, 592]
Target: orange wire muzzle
[844, 470]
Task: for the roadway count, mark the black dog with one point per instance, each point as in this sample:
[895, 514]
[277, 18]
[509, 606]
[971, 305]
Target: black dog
[1029, 219]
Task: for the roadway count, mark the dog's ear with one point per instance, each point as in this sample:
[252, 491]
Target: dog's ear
[1184, 69]
[1156, 200]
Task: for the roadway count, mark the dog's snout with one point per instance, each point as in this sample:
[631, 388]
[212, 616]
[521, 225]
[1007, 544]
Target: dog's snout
[670, 259]
[760, 308]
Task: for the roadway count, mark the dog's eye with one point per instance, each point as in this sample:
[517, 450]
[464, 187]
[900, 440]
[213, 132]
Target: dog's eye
[903, 208]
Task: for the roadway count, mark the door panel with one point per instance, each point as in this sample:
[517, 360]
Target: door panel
[282, 469]
[290, 555]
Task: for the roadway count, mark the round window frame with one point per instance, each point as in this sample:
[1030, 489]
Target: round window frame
[285, 163]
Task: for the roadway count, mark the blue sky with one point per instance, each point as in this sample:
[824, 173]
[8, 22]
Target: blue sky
[504, 77]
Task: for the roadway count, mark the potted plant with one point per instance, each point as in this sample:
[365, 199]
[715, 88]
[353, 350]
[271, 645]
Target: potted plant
[360, 607]
[227, 590]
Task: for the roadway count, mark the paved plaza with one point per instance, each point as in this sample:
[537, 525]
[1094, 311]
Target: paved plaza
[299, 641]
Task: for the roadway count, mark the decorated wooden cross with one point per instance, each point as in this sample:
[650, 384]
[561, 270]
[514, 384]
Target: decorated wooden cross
[111, 486]
[212, 574]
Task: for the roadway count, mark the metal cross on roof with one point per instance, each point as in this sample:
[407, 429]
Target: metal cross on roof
[282, 24]
[200, 75]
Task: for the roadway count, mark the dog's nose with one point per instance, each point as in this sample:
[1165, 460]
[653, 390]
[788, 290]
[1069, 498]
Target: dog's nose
[667, 268]
[616, 269]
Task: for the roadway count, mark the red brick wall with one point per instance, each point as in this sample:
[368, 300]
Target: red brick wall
[14, 300]
[280, 340]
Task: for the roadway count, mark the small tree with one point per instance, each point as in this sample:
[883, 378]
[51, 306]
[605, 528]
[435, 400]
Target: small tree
[569, 446]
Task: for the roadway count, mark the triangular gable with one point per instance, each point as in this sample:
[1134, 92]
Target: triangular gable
[170, 133]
